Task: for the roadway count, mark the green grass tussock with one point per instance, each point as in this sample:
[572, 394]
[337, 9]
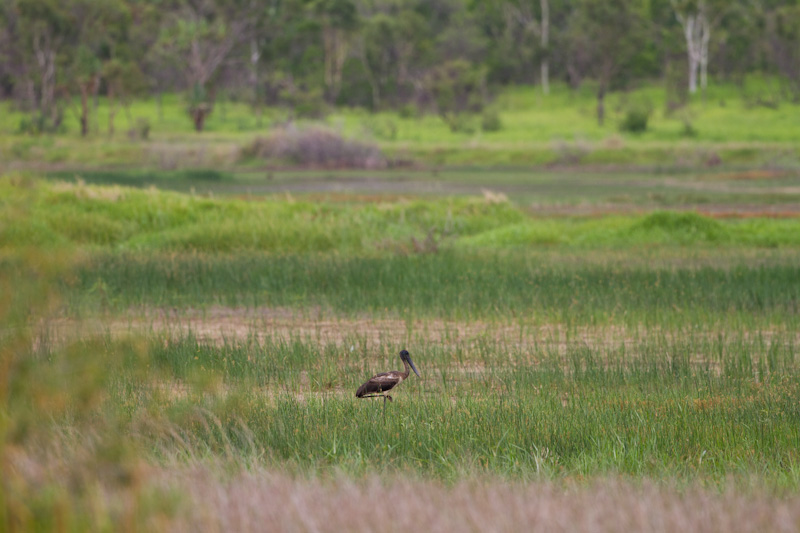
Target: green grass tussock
[664, 228]
[122, 218]
[684, 228]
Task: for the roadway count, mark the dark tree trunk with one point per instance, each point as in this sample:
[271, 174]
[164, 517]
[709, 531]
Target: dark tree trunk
[199, 114]
[601, 105]
[111, 111]
[84, 119]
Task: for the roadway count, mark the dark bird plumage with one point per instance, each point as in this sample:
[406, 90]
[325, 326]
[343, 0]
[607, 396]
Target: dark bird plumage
[386, 381]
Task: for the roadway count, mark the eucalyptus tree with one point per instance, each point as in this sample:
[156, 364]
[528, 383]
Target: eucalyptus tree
[269, 18]
[100, 26]
[338, 20]
[392, 47]
[532, 17]
[197, 38]
[58, 50]
[699, 18]
[41, 31]
[606, 35]
[124, 81]
[783, 32]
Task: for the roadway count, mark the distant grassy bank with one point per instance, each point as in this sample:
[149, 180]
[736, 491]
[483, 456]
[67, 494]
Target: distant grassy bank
[123, 219]
[729, 127]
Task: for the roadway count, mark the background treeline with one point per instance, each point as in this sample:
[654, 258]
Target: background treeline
[441, 56]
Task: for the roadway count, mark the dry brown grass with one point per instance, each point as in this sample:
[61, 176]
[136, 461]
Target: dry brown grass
[209, 496]
[262, 500]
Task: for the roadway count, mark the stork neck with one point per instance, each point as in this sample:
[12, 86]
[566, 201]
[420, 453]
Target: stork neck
[408, 369]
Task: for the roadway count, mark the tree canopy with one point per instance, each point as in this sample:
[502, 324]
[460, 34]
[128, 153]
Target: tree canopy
[441, 56]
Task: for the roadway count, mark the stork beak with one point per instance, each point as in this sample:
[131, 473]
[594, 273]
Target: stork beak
[414, 368]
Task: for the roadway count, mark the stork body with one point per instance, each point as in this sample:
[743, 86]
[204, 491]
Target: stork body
[379, 384]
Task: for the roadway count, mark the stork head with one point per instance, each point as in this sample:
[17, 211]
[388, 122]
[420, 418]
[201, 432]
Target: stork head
[406, 357]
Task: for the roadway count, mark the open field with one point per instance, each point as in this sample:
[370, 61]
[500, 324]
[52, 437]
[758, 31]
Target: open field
[175, 361]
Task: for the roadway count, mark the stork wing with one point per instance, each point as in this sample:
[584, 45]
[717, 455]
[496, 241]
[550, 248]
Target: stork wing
[379, 383]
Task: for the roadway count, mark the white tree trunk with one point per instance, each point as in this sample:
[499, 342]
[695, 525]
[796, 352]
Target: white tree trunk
[697, 30]
[524, 16]
[704, 53]
[690, 25]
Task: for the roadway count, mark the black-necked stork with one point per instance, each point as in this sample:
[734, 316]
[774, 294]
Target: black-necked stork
[380, 384]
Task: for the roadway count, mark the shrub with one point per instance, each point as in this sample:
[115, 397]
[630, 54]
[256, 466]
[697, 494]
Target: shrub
[490, 121]
[457, 88]
[317, 146]
[460, 123]
[635, 120]
[408, 111]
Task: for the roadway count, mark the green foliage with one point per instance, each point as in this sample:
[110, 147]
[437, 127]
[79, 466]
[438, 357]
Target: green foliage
[457, 87]
[491, 121]
[635, 120]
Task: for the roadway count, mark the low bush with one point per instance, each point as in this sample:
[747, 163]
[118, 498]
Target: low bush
[318, 147]
[635, 120]
[490, 121]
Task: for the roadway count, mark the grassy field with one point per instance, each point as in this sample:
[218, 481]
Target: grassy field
[176, 361]
[728, 128]
[606, 324]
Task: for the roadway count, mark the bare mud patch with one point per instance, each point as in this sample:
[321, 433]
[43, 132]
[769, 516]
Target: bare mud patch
[218, 325]
[469, 345]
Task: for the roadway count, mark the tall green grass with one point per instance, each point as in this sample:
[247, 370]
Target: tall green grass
[515, 286]
[687, 406]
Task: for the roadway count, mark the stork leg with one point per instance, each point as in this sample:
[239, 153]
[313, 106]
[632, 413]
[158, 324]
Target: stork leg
[384, 396]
